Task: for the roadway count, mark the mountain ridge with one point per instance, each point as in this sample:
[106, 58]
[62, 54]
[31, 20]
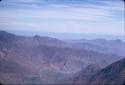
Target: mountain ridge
[57, 60]
[112, 74]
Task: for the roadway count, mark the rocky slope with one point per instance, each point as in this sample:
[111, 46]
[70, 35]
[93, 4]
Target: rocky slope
[111, 75]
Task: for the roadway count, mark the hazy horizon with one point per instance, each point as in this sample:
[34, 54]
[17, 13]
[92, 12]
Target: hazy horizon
[66, 36]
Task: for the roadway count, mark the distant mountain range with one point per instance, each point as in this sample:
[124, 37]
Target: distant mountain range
[101, 45]
[45, 60]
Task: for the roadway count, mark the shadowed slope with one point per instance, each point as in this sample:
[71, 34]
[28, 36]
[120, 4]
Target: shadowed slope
[113, 74]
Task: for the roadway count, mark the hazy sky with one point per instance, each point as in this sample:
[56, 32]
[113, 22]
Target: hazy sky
[65, 16]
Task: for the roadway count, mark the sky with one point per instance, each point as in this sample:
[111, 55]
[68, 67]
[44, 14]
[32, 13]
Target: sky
[63, 16]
